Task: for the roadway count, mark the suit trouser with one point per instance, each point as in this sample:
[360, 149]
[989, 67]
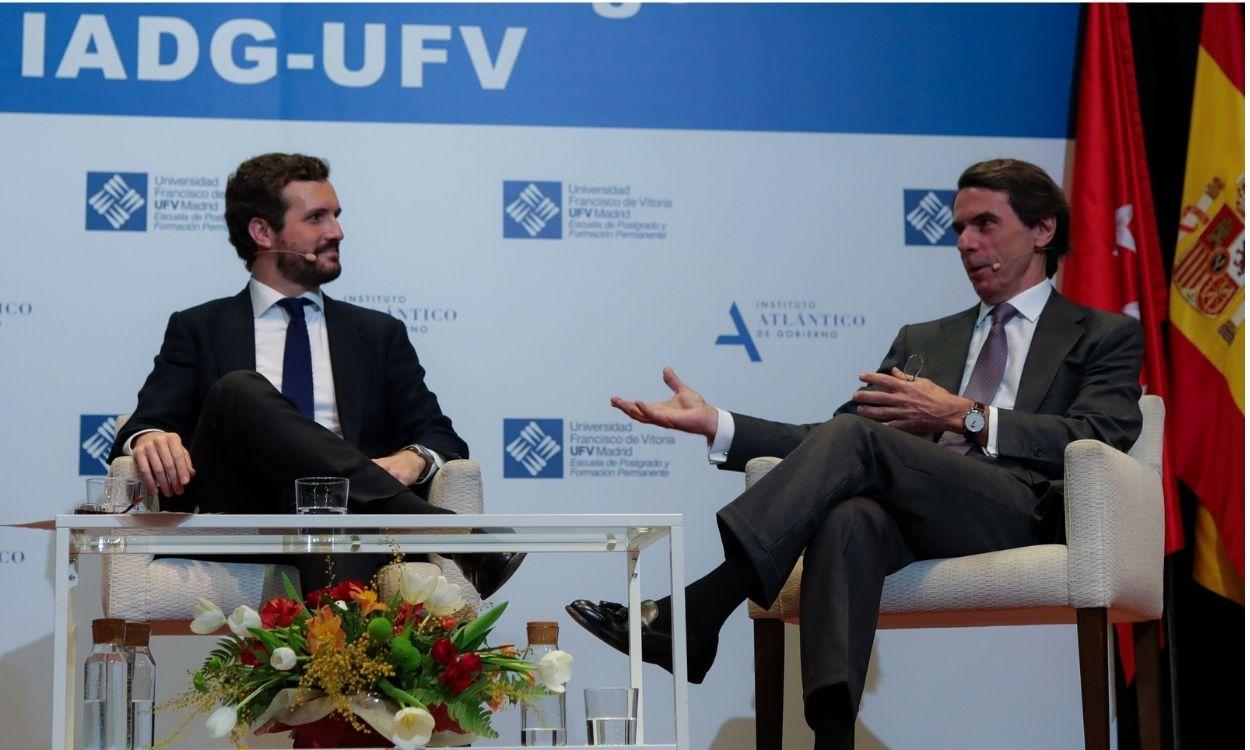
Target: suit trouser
[251, 443]
[865, 500]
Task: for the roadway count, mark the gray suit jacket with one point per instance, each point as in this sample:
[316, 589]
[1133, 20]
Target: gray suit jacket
[1080, 380]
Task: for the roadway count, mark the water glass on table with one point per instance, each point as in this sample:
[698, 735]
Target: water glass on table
[321, 496]
[110, 495]
[611, 716]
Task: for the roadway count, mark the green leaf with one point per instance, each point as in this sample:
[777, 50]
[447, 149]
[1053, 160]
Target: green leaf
[291, 591]
[471, 635]
[472, 718]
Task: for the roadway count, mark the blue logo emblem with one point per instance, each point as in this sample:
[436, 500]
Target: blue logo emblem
[742, 337]
[96, 433]
[927, 217]
[533, 448]
[531, 210]
[117, 201]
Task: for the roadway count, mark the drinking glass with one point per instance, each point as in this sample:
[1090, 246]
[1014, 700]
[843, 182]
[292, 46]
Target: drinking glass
[611, 715]
[111, 494]
[321, 495]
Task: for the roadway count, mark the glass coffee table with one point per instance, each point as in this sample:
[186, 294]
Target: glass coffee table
[181, 534]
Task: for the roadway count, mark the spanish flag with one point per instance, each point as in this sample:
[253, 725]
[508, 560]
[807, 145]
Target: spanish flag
[1206, 416]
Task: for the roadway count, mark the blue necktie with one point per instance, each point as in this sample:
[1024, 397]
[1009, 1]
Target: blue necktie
[297, 378]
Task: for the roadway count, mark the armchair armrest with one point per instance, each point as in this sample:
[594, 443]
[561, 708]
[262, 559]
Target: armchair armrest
[1113, 511]
[758, 467]
[458, 487]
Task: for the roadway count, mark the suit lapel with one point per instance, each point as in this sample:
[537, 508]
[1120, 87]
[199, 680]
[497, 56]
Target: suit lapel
[234, 335]
[947, 358]
[350, 364]
[1057, 332]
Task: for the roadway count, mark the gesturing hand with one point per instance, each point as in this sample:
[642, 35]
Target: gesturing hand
[164, 464]
[919, 405]
[685, 411]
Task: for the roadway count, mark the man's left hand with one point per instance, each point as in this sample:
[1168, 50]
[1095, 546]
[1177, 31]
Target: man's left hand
[920, 406]
[404, 465]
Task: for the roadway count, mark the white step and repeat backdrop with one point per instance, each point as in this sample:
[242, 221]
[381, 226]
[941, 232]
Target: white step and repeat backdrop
[559, 201]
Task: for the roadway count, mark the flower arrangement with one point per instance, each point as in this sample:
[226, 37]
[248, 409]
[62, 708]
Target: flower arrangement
[406, 668]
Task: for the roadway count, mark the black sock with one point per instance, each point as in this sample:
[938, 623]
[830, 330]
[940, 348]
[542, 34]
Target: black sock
[710, 600]
[831, 717]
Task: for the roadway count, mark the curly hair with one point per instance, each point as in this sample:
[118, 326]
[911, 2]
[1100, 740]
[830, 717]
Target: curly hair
[255, 191]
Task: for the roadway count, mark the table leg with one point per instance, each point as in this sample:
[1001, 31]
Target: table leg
[65, 589]
[676, 566]
[635, 635]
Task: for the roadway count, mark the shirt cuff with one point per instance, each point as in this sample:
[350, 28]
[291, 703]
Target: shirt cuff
[438, 464]
[718, 449]
[130, 441]
[991, 442]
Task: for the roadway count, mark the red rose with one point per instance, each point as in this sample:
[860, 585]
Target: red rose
[443, 652]
[470, 663]
[317, 598]
[279, 613]
[448, 623]
[455, 678]
[343, 591]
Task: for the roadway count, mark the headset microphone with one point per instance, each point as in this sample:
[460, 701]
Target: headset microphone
[310, 257]
[999, 264]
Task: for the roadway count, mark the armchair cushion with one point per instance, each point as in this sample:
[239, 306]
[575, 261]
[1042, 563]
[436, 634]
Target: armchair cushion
[1113, 558]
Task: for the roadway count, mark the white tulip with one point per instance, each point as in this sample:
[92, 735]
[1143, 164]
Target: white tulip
[414, 587]
[413, 727]
[221, 721]
[554, 670]
[242, 618]
[208, 618]
[282, 659]
[445, 600]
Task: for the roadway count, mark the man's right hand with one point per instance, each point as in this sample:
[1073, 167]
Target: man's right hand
[685, 411]
[164, 464]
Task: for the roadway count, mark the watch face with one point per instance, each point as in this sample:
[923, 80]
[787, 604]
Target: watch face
[974, 421]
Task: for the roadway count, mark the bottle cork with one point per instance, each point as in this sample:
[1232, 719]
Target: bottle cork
[107, 630]
[542, 632]
[137, 634]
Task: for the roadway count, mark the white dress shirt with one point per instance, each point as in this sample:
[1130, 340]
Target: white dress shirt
[270, 322]
[1019, 330]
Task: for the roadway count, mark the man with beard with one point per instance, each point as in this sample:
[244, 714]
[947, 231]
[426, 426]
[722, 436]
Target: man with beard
[280, 381]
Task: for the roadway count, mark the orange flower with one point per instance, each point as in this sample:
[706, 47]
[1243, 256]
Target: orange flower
[507, 650]
[368, 601]
[325, 628]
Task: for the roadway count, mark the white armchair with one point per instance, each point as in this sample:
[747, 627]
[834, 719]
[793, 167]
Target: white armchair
[1110, 570]
[163, 591]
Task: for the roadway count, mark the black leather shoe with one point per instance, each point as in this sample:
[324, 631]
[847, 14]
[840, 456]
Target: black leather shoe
[609, 622]
[488, 571]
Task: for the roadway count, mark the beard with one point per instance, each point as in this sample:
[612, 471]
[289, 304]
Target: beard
[300, 271]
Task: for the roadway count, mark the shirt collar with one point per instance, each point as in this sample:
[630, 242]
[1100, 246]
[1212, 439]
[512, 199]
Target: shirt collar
[1028, 303]
[265, 297]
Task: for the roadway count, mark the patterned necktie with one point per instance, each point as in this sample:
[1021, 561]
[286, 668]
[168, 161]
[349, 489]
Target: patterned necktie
[297, 378]
[987, 373]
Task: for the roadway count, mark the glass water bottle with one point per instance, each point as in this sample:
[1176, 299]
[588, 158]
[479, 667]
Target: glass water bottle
[104, 700]
[542, 721]
[142, 716]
